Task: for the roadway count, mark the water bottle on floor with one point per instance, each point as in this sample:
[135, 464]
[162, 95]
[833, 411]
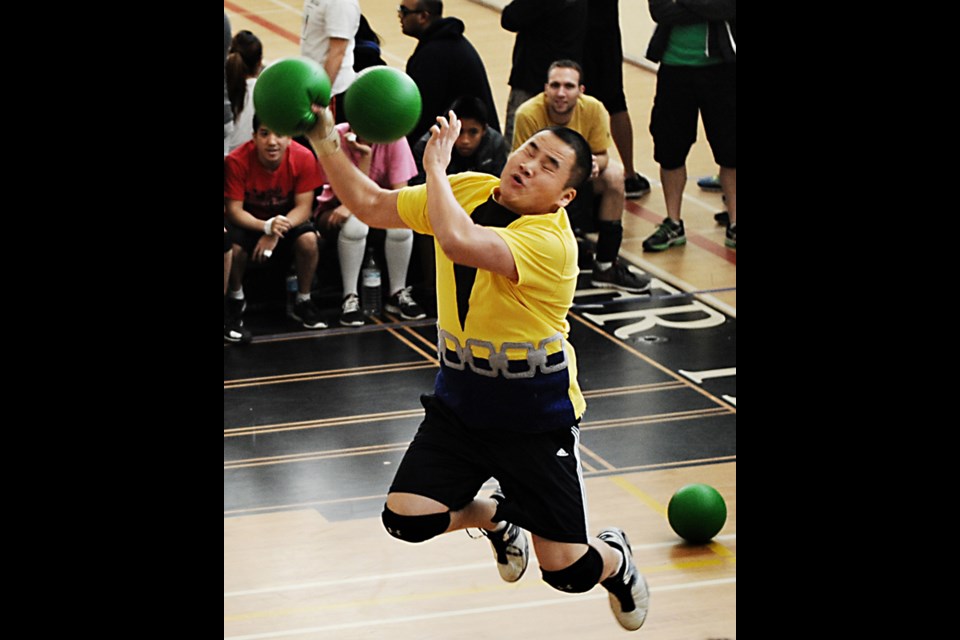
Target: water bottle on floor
[292, 290]
[370, 298]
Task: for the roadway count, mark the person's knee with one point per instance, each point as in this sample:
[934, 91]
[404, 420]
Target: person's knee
[354, 229]
[399, 235]
[580, 577]
[418, 528]
[611, 180]
[306, 244]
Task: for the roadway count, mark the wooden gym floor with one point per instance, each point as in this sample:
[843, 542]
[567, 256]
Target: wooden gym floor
[316, 421]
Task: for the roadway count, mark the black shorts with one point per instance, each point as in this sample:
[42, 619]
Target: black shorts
[247, 238]
[227, 242]
[682, 94]
[540, 474]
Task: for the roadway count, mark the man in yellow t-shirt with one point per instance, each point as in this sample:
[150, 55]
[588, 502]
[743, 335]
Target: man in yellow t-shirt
[506, 402]
[563, 103]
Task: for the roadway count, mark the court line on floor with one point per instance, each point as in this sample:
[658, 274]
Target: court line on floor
[234, 432]
[599, 473]
[239, 383]
[597, 595]
[402, 575]
[310, 456]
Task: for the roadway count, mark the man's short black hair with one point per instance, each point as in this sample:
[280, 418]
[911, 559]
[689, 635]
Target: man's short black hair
[470, 107]
[583, 166]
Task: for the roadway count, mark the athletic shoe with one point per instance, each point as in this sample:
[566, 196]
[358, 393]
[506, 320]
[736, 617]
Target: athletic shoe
[722, 218]
[710, 183]
[350, 313]
[668, 234]
[731, 239]
[306, 312]
[628, 593]
[618, 276]
[636, 186]
[234, 331]
[403, 303]
[510, 547]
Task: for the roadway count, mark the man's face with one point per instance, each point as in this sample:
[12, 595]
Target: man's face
[270, 147]
[533, 179]
[471, 134]
[412, 18]
[562, 90]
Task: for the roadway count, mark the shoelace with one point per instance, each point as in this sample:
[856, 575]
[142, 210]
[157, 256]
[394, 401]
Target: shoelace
[352, 303]
[404, 296]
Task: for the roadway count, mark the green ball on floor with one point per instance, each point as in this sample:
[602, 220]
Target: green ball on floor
[697, 512]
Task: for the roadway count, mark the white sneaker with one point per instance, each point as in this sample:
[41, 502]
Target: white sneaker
[629, 595]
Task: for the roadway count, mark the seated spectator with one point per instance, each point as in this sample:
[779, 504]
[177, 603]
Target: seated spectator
[390, 166]
[564, 103]
[479, 147]
[268, 186]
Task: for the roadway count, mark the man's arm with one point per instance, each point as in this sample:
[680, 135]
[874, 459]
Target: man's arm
[462, 241]
[338, 49]
[365, 198]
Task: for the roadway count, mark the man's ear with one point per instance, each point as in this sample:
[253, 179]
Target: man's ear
[567, 197]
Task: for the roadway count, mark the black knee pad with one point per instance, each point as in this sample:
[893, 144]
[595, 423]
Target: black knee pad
[580, 577]
[414, 528]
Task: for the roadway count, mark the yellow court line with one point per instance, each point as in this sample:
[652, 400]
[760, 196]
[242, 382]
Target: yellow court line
[328, 372]
[234, 432]
[330, 452]
[651, 502]
[340, 374]
[314, 458]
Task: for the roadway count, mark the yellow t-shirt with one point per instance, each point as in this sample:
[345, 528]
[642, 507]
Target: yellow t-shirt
[590, 119]
[506, 362]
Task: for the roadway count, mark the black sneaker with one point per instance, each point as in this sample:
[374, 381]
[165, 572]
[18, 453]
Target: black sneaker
[235, 332]
[510, 547]
[619, 277]
[731, 239]
[636, 186]
[403, 303]
[722, 218]
[306, 312]
[628, 592]
[350, 313]
[668, 234]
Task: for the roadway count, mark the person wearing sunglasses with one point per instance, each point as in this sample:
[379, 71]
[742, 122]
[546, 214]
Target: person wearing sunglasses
[444, 65]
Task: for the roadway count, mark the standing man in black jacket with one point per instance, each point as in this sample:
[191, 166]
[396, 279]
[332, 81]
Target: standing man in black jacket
[547, 30]
[444, 65]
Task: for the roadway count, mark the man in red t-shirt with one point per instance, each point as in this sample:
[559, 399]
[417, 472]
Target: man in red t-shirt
[268, 191]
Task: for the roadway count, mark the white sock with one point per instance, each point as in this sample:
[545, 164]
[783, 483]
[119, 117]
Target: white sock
[302, 296]
[350, 246]
[235, 295]
[603, 266]
[398, 247]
